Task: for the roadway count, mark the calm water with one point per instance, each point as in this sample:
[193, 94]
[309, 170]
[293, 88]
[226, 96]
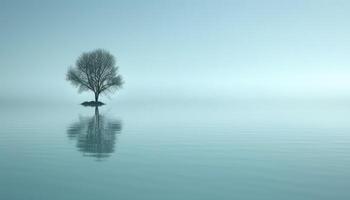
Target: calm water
[237, 151]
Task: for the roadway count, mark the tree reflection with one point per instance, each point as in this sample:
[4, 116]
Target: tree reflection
[96, 136]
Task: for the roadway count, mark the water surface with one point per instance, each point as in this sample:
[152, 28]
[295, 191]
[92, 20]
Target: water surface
[195, 151]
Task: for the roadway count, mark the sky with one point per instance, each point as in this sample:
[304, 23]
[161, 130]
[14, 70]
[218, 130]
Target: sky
[180, 49]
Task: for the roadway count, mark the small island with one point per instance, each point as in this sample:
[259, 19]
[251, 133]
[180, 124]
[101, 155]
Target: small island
[92, 103]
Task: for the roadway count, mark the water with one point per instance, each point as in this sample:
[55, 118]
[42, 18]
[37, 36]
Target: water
[183, 151]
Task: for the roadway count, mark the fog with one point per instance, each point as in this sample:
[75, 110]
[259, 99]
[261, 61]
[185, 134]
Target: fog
[180, 50]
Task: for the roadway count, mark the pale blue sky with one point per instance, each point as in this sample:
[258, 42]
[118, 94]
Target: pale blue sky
[179, 49]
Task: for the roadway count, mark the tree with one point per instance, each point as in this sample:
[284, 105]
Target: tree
[95, 71]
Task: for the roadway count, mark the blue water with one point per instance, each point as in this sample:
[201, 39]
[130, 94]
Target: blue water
[296, 151]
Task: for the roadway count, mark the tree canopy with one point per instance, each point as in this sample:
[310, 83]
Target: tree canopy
[95, 71]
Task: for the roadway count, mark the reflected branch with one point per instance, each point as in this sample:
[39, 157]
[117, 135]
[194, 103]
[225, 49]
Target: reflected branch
[96, 136]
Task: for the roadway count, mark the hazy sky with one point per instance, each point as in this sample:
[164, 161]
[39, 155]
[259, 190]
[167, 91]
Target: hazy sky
[179, 49]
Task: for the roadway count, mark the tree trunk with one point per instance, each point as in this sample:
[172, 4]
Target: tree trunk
[96, 97]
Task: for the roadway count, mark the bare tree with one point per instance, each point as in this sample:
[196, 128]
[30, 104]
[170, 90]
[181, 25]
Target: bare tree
[95, 71]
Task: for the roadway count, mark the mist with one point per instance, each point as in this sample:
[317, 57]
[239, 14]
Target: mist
[183, 50]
